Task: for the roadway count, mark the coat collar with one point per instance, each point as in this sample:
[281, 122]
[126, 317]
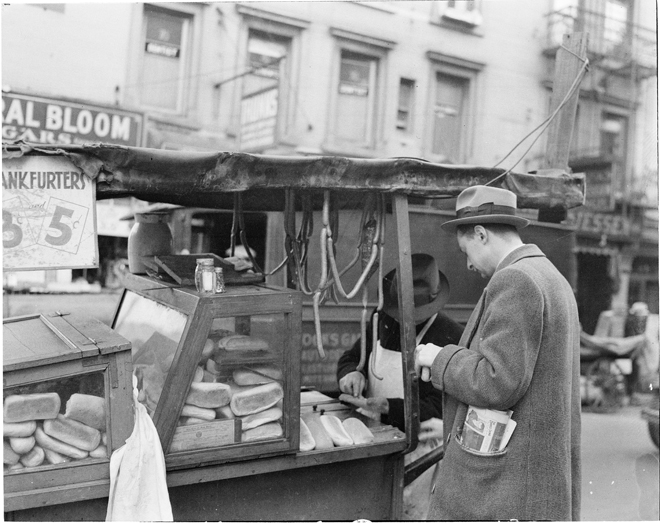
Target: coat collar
[524, 251]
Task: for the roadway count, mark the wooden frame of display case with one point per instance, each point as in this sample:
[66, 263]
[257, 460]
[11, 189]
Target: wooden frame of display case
[93, 347]
[201, 310]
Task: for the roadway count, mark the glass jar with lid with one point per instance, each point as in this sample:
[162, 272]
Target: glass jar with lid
[205, 276]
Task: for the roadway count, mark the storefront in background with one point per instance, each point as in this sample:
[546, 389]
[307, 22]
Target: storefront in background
[42, 119]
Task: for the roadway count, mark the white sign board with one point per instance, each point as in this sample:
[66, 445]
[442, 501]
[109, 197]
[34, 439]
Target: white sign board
[48, 215]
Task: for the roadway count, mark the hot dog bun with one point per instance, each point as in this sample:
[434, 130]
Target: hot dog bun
[256, 375]
[307, 442]
[87, 409]
[208, 395]
[240, 342]
[55, 458]
[358, 431]
[22, 445]
[256, 399]
[73, 432]
[261, 418]
[198, 412]
[269, 430]
[22, 429]
[34, 458]
[25, 407]
[321, 437]
[45, 441]
[9, 457]
[335, 429]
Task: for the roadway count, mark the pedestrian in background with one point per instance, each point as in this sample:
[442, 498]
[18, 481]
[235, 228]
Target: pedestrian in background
[519, 352]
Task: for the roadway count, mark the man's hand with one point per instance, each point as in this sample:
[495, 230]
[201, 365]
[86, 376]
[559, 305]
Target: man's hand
[431, 432]
[425, 355]
[353, 383]
[377, 405]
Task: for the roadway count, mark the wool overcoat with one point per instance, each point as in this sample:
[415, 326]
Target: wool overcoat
[520, 351]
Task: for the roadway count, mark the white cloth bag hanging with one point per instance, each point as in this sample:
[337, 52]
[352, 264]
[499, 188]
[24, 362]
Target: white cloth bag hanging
[138, 487]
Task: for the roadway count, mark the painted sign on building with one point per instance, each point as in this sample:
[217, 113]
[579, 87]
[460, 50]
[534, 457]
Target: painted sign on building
[259, 119]
[601, 223]
[47, 215]
[44, 120]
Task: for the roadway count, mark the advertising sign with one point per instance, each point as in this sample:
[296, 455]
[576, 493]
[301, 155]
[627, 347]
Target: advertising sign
[45, 120]
[48, 217]
[259, 119]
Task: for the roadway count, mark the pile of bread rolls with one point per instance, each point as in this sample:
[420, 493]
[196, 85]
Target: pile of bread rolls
[318, 432]
[35, 433]
[221, 391]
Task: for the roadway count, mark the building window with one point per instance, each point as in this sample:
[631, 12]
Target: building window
[466, 12]
[613, 132]
[264, 89]
[451, 94]
[406, 103]
[356, 98]
[164, 60]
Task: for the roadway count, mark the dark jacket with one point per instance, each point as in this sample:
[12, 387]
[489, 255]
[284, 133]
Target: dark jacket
[520, 351]
[442, 332]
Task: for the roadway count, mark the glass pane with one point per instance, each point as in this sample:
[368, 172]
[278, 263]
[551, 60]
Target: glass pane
[154, 331]
[54, 423]
[448, 116]
[237, 390]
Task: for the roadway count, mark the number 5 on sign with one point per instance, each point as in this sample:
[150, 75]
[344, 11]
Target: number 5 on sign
[63, 225]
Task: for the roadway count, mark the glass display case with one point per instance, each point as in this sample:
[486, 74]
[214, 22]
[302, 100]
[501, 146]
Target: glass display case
[67, 405]
[219, 374]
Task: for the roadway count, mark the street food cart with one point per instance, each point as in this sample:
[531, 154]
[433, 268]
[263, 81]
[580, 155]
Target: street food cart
[215, 471]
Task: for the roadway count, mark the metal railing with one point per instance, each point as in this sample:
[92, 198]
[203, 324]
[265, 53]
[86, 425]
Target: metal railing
[618, 43]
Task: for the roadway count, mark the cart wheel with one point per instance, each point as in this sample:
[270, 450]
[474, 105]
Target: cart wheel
[654, 429]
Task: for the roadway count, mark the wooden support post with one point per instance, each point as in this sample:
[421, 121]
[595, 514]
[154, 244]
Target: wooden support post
[407, 323]
[568, 63]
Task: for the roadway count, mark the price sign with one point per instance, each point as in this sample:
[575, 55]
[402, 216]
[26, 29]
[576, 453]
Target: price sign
[48, 215]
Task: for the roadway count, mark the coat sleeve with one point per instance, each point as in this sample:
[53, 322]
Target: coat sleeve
[497, 369]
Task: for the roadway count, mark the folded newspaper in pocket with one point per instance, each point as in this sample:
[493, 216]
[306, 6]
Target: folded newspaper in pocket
[487, 430]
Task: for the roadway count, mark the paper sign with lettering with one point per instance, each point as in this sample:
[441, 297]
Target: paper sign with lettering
[48, 215]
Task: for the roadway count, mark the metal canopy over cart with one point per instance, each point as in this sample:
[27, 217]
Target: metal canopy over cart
[363, 481]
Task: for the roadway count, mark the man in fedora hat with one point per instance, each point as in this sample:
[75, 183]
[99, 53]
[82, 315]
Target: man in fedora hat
[384, 397]
[520, 353]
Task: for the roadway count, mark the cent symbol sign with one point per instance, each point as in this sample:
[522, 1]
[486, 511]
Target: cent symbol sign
[48, 215]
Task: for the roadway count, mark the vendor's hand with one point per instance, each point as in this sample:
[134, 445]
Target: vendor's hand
[353, 383]
[431, 431]
[377, 405]
[425, 355]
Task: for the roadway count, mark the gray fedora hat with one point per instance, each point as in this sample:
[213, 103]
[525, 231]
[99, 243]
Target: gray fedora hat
[484, 204]
[430, 289]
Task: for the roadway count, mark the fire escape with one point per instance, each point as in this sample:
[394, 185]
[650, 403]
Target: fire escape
[622, 56]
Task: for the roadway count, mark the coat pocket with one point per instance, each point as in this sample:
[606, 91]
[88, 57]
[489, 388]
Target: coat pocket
[473, 485]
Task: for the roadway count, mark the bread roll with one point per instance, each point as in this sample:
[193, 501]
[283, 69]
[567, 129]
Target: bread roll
[267, 431]
[198, 412]
[321, 437]
[256, 399]
[55, 458]
[73, 432]
[212, 367]
[34, 458]
[307, 442]
[335, 429]
[208, 395]
[45, 441]
[358, 431]
[27, 407]
[261, 418]
[240, 342]
[209, 347]
[22, 445]
[191, 421]
[256, 375]
[99, 452]
[16, 466]
[22, 429]
[87, 409]
[224, 412]
[199, 374]
[9, 457]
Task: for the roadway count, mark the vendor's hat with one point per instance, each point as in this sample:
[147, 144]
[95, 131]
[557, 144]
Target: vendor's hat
[481, 204]
[430, 289]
